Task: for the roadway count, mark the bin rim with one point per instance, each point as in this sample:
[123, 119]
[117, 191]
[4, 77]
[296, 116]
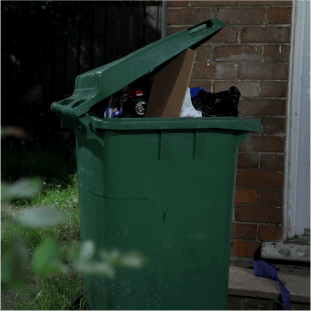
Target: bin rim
[226, 123]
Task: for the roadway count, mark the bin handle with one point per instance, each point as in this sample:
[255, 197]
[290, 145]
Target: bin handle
[201, 26]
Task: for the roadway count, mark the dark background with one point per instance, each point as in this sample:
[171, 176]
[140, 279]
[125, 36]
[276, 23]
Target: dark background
[46, 44]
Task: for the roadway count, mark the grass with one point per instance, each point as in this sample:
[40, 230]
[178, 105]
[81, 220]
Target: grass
[56, 167]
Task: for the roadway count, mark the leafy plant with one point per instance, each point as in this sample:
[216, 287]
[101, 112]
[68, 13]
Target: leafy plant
[49, 258]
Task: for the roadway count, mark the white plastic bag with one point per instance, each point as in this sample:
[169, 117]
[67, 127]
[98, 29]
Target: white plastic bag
[187, 109]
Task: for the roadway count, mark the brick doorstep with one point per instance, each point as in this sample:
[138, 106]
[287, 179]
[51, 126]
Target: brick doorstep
[243, 283]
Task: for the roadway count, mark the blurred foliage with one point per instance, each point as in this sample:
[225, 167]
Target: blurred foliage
[49, 258]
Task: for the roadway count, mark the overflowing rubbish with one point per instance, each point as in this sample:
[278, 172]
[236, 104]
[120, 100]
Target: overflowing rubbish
[110, 107]
[164, 92]
[187, 109]
[217, 104]
[129, 102]
[134, 104]
[137, 97]
[132, 101]
[194, 91]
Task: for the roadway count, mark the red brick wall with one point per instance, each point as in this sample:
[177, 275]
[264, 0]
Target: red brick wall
[251, 53]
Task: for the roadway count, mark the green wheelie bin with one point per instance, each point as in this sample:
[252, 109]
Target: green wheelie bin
[162, 186]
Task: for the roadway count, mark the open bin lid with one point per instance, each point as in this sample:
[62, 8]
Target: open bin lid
[100, 83]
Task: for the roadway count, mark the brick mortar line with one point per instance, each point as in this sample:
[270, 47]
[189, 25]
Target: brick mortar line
[241, 27]
[268, 98]
[270, 116]
[259, 206]
[259, 44]
[270, 135]
[257, 170]
[250, 170]
[238, 25]
[257, 98]
[265, 98]
[242, 62]
[266, 16]
[247, 205]
[230, 7]
[258, 241]
[238, 80]
[239, 31]
[255, 223]
[259, 189]
[244, 80]
[267, 116]
[262, 56]
[263, 152]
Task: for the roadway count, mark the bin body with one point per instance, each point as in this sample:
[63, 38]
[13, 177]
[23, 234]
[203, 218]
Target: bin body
[167, 191]
[162, 186]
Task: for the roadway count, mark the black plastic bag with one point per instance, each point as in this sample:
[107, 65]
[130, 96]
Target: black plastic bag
[220, 104]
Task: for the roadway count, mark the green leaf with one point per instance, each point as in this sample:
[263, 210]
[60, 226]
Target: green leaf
[47, 259]
[81, 256]
[133, 260]
[87, 250]
[112, 257]
[42, 217]
[95, 268]
[129, 260]
[22, 188]
[13, 266]
[82, 252]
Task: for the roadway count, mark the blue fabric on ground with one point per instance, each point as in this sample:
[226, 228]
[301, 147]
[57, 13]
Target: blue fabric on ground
[195, 90]
[267, 270]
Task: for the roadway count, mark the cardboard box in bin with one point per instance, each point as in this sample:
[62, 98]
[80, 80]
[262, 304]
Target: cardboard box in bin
[169, 87]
